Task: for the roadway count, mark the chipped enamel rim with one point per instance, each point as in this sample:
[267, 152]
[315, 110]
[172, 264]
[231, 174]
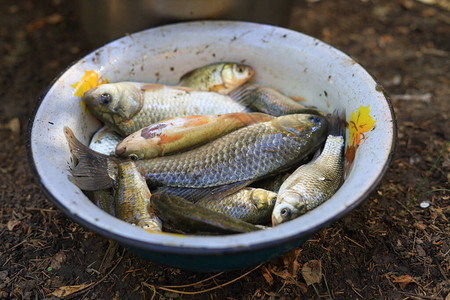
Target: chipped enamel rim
[295, 63]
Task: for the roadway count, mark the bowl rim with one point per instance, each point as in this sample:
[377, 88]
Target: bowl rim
[189, 250]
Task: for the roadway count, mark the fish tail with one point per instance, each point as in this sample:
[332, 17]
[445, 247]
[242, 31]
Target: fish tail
[337, 123]
[93, 171]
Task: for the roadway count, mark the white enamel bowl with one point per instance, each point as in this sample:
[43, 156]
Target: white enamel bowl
[297, 64]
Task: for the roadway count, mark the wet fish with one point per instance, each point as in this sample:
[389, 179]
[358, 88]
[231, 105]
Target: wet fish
[218, 77]
[131, 193]
[246, 154]
[269, 100]
[315, 182]
[175, 134]
[252, 205]
[180, 215]
[132, 198]
[127, 107]
[105, 141]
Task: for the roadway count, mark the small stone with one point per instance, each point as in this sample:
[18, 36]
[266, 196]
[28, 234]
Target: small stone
[425, 204]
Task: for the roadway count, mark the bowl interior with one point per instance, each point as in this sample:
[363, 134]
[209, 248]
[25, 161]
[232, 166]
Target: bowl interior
[294, 63]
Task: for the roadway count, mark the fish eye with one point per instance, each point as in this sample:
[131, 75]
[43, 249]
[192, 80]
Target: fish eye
[240, 69]
[314, 119]
[105, 98]
[285, 213]
[133, 156]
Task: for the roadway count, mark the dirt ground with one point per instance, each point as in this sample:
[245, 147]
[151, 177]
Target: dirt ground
[390, 247]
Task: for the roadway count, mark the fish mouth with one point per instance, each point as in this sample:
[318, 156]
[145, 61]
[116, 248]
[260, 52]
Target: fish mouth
[88, 96]
[121, 150]
[275, 221]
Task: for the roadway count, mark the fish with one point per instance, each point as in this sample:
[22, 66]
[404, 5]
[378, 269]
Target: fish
[269, 100]
[176, 134]
[217, 77]
[252, 205]
[131, 193]
[247, 154]
[105, 141]
[182, 216]
[126, 107]
[132, 198]
[315, 182]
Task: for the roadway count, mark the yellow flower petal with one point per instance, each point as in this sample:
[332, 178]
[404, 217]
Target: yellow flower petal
[360, 123]
[88, 81]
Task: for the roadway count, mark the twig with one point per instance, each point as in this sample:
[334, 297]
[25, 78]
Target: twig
[421, 296]
[407, 97]
[354, 242]
[195, 283]
[101, 280]
[201, 291]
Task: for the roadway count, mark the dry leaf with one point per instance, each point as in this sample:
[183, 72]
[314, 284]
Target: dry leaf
[65, 291]
[267, 276]
[57, 259]
[439, 212]
[12, 223]
[290, 261]
[312, 271]
[282, 273]
[41, 22]
[403, 280]
[13, 125]
[419, 226]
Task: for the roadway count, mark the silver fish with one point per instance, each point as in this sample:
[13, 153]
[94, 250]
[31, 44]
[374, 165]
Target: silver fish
[313, 183]
[105, 141]
[218, 77]
[127, 107]
[269, 100]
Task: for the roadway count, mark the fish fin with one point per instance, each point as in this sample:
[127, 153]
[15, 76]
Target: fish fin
[185, 76]
[93, 171]
[196, 194]
[184, 89]
[298, 98]
[337, 123]
[151, 87]
[241, 94]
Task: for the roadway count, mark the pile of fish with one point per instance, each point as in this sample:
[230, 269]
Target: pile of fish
[211, 155]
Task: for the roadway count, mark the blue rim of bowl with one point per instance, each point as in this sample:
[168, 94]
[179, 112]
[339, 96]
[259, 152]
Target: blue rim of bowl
[193, 251]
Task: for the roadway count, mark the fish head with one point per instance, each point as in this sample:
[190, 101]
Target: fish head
[301, 124]
[289, 205]
[234, 75]
[263, 198]
[135, 146]
[114, 103]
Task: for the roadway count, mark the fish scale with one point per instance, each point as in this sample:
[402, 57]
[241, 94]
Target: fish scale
[246, 154]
